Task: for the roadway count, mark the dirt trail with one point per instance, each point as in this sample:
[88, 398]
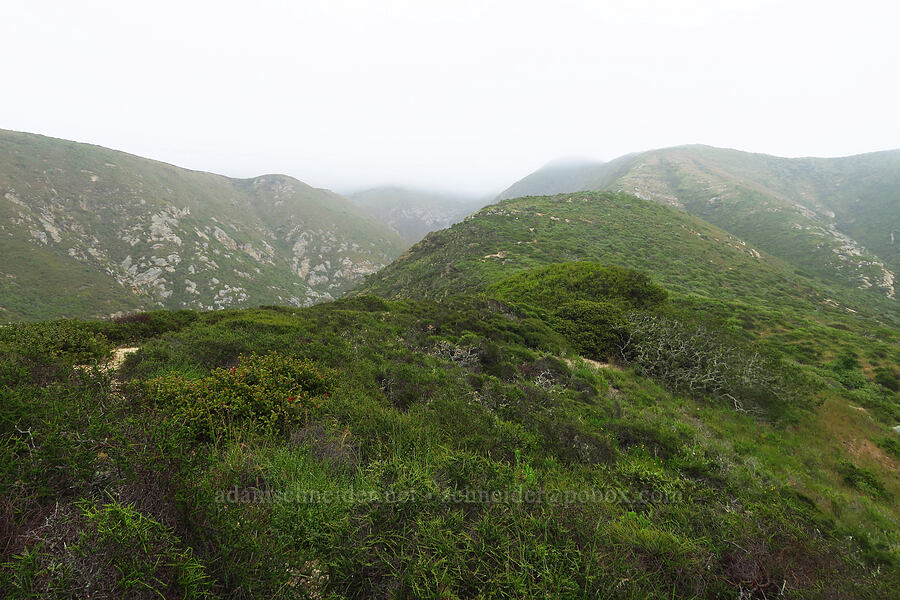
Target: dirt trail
[112, 365]
[594, 363]
[119, 356]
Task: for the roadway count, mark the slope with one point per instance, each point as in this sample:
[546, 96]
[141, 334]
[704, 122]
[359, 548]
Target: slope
[835, 218]
[413, 449]
[681, 251]
[159, 235]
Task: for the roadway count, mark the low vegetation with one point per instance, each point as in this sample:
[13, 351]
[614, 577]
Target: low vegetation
[411, 448]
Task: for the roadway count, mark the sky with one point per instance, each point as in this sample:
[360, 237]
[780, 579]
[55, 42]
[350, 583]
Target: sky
[460, 96]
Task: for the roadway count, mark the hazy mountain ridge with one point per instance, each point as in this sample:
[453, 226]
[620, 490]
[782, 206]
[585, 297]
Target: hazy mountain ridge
[175, 238]
[835, 218]
[414, 213]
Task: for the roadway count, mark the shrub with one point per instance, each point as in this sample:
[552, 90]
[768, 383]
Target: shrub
[105, 551]
[366, 303]
[888, 378]
[68, 341]
[141, 326]
[890, 445]
[267, 392]
[595, 329]
[698, 362]
[583, 301]
[554, 285]
[139, 553]
[850, 378]
[569, 442]
[863, 480]
[407, 384]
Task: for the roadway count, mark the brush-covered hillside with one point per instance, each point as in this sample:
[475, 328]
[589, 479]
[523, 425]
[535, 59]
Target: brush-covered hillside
[479, 447]
[836, 218]
[687, 254]
[414, 213]
[87, 231]
[710, 273]
[525, 415]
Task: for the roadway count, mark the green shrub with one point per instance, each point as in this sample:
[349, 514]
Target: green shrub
[141, 326]
[366, 303]
[863, 480]
[66, 340]
[138, 552]
[595, 329]
[889, 378]
[405, 384]
[268, 392]
[105, 551]
[554, 285]
[891, 445]
[583, 301]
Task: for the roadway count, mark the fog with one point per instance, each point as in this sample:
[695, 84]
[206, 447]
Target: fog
[463, 96]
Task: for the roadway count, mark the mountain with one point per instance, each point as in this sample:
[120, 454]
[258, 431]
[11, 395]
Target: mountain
[414, 213]
[836, 218]
[681, 251]
[85, 230]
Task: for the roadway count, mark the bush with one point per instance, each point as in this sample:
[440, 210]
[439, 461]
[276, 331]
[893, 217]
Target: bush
[268, 392]
[696, 361]
[583, 301]
[105, 551]
[888, 378]
[366, 303]
[141, 326]
[595, 329]
[554, 285]
[67, 341]
[407, 384]
[890, 445]
[863, 480]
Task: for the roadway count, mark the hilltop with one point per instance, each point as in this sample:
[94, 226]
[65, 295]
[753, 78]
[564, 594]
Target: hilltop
[684, 252]
[92, 231]
[836, 218]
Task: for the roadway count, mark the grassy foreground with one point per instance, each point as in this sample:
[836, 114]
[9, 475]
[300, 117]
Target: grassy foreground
[414, 449]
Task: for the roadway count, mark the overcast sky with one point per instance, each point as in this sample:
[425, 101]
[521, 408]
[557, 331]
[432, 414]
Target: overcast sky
[457, 95]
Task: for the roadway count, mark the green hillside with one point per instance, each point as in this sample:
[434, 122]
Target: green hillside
[373, 449]
[711, 274]
[835, 218]
[686, 254]
[119, 231]
[574, 396]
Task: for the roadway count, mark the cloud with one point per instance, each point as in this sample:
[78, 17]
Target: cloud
[453, 95]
